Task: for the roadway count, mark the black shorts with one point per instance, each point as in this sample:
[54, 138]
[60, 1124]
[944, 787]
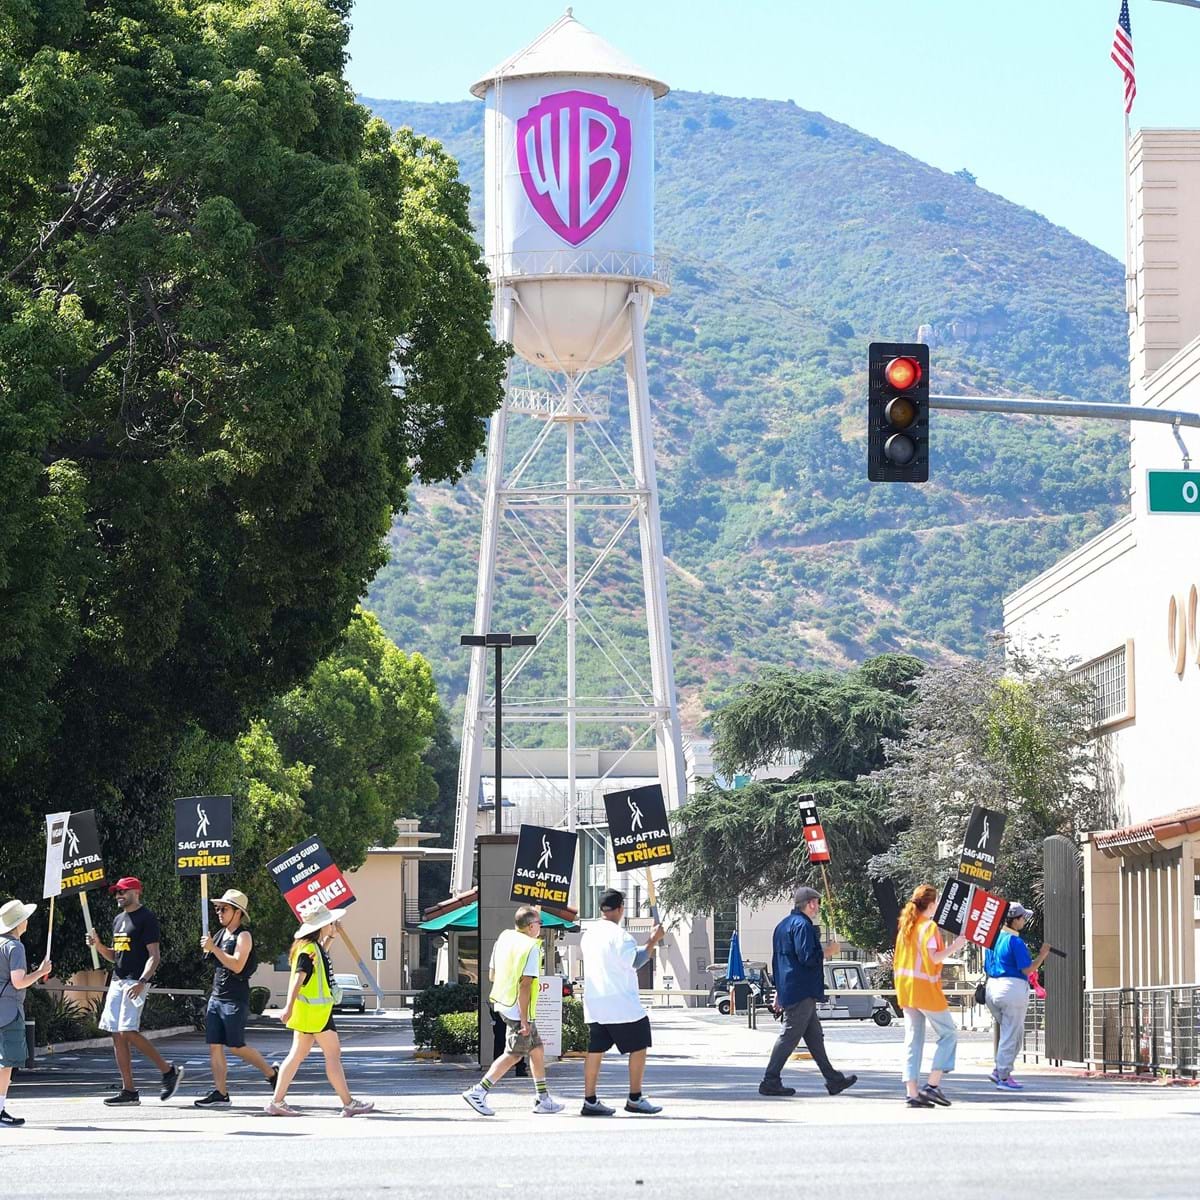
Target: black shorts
[627, 1038]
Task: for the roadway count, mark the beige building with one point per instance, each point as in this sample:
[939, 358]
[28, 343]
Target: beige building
[1125, 605]
[386, 890]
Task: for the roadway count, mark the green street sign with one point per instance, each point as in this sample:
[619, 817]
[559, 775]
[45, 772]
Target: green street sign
[1173, 491]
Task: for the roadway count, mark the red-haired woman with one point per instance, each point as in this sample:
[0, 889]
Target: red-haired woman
[917, 967]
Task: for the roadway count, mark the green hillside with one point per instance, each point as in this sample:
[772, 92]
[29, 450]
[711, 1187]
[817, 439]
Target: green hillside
[795, 241]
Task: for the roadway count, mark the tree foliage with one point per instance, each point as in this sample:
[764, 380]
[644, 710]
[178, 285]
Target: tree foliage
[1014, 733]
[362, 723]
[237, 315]
[749, 842]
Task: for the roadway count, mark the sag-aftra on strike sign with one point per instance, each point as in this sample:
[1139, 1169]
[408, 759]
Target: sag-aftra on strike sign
[638, 827]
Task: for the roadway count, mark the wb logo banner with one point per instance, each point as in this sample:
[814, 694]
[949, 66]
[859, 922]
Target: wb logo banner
[574, 151]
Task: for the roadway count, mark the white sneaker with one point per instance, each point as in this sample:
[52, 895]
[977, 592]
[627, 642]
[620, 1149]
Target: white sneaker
[476, 1097]
[548, 1104]
[357, 1108]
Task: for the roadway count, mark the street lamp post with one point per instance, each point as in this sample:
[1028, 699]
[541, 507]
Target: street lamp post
[498, 641]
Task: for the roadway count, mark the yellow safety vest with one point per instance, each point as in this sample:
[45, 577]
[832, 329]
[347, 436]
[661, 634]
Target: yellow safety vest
[918, 978]
[314, 1001]
[508, 963]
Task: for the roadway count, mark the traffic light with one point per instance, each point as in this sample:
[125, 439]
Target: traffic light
[898, 412]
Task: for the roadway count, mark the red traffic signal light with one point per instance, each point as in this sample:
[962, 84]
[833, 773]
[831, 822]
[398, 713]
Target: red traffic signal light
[903, 373]
[898, 412]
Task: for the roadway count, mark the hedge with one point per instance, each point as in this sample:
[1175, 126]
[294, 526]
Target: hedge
[456, 1033]
[439, 999]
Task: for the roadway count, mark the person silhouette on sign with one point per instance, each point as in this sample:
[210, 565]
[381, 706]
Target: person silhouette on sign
[544, 860]
[202, 823]
[636, 813]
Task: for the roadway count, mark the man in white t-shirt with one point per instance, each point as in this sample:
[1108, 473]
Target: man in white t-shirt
[611, 1005]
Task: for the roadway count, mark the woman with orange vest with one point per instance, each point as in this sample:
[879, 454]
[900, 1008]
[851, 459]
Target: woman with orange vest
[917, 968]
[308, 1013]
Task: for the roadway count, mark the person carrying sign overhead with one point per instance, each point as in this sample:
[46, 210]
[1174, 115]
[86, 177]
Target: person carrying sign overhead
[229, 1005]
[15, 978]
[516, 969]
[135, 957]
[308, 1013]
[611, 1005]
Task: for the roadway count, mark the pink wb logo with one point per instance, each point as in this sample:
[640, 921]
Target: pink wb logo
[574, 151]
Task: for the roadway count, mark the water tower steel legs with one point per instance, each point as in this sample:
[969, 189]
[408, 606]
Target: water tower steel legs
[471, 751]
[662, 710]
[667, 733]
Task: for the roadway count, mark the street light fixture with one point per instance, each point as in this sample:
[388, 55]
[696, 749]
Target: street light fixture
[498, 641]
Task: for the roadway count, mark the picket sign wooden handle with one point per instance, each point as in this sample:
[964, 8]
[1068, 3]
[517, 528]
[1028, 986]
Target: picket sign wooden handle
[204, 904]
[362, 966]
[50, 927]
[87, 924]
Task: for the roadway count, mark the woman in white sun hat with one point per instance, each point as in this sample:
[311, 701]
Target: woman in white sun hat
[14, 979]
[308, 1013]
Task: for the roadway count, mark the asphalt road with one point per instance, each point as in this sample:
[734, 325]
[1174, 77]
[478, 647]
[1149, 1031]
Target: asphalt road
[1063, 1137]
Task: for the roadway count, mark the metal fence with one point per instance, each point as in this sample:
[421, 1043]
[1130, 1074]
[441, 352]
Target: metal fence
[1149, 1030]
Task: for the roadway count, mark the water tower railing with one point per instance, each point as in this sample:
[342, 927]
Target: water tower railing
[613, 264]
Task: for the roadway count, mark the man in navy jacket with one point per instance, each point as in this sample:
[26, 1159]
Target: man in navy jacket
[798, 967]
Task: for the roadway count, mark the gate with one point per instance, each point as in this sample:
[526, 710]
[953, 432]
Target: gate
[1063, 927]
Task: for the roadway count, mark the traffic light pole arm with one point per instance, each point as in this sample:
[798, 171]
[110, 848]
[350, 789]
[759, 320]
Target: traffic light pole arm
[1067, 408]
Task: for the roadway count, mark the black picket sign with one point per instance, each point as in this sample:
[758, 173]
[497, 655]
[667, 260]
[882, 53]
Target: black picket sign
[544, 866]
[203, 835]
[952, 906]
[638, 827]
[83, 861]
[981, 847]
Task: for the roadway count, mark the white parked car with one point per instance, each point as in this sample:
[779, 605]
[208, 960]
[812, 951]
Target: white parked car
[354, 995]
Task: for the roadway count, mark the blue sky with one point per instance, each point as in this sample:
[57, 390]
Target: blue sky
[1021, 92]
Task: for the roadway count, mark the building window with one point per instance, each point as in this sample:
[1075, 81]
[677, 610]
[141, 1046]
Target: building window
[724, 924]
[1111, 677]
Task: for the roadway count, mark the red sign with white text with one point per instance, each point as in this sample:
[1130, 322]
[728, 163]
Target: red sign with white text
[985, 918]
[814, 831]
[308, 877]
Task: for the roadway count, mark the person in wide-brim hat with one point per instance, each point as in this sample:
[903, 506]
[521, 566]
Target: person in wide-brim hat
[231, 948]
[308, 1013]
[15, 978]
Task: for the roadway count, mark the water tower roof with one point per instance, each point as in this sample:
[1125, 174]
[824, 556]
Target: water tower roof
[568, 48]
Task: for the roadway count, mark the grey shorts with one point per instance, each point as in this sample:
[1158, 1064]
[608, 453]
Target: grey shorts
[12, 1042]
[514, 1043]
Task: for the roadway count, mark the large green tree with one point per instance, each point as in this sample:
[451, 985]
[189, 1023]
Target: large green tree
[748, 842]
[237, 318]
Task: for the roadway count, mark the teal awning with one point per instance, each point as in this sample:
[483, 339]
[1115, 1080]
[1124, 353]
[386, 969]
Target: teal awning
[467, 918]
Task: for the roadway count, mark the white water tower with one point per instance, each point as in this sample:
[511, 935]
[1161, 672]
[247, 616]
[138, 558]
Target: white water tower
[569, 238]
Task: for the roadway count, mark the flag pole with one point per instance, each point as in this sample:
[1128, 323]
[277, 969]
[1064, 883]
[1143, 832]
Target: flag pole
[1130, 267]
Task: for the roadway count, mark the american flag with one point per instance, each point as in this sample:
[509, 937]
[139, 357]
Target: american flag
[1122, 54]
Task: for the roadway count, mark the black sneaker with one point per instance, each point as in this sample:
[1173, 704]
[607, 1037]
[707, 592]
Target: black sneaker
[774, 1089]
[917, 1101]
[214, 1099]
[124, 1096]
[596, 1108]
[841, 1084]
[171, 1081]
[6, 1118]
[931, 1092]
[274, 1077]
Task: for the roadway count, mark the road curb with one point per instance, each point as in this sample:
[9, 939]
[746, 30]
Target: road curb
[152, 1035]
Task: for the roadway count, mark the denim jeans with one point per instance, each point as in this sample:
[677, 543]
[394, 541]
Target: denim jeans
[1007, 1000]
[942, 1024]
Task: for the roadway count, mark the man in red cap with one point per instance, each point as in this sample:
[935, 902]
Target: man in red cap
[135, 958]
